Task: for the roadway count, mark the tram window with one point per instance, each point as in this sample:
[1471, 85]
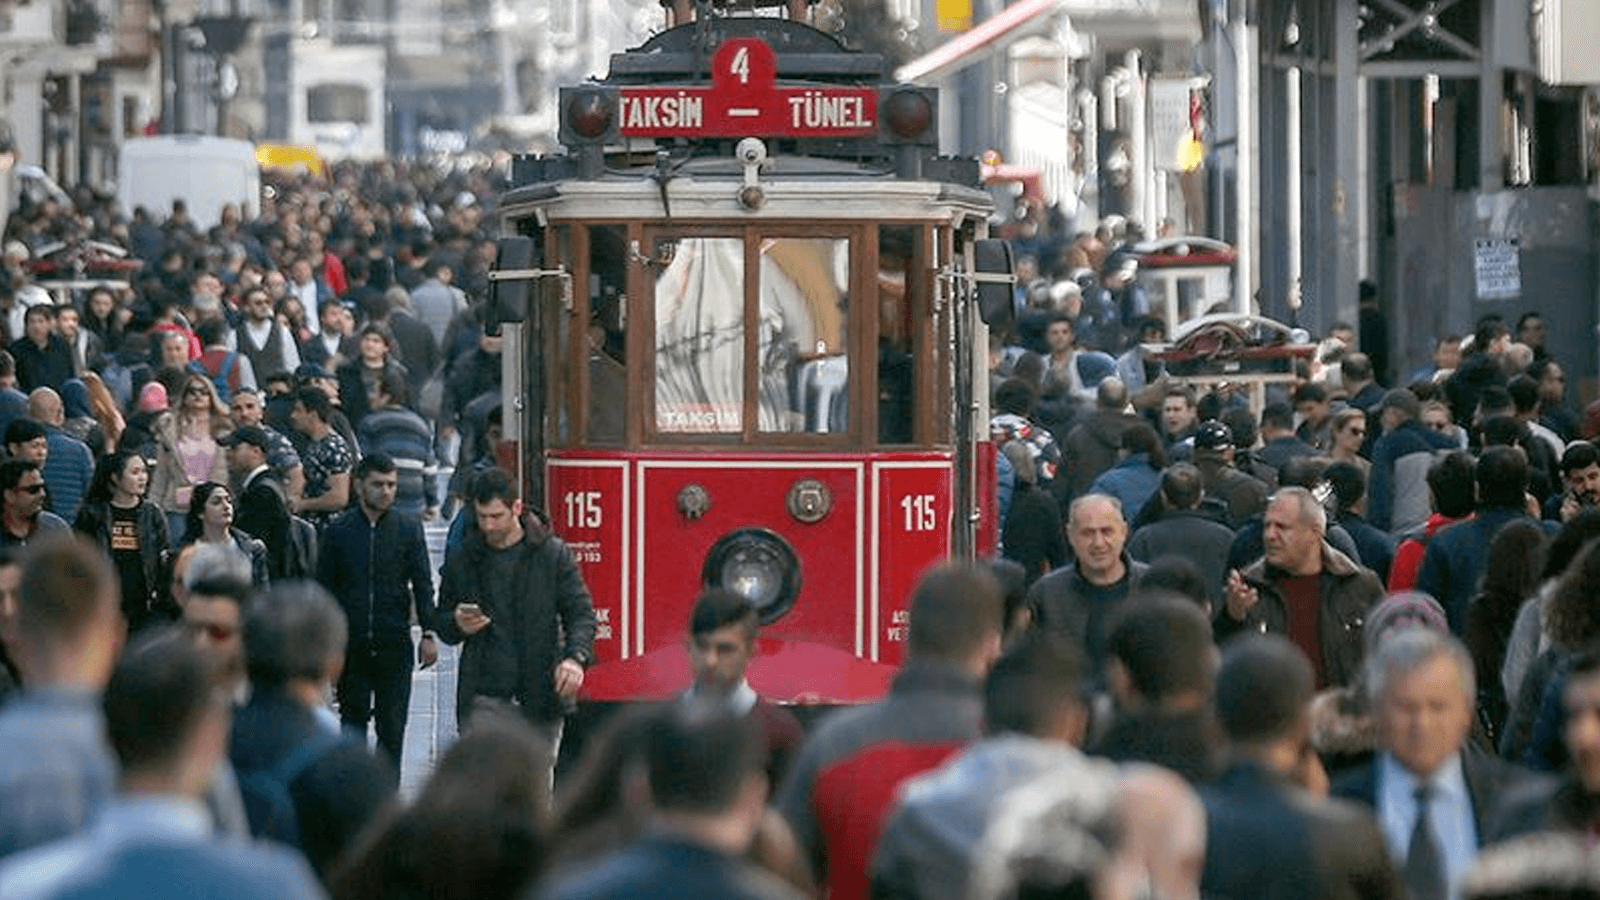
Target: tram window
[805, 372]
[699, 309]
[896, 245]
[608, 358]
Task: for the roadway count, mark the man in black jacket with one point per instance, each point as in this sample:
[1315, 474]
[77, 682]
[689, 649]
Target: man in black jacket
[1266, 837]
[43, 357]
[512, 593]
[1186, 529]
[375, 561]
[262, 511]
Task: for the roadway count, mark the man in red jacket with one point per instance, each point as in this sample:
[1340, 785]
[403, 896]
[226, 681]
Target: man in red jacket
[842, 786]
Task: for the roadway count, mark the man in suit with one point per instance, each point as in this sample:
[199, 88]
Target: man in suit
[154, 838]
[262, 512]
[1268, 838]
[1436, 800]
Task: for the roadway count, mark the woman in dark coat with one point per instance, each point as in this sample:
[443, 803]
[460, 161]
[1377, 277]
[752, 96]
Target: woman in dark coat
[133, 531]
[210, 521]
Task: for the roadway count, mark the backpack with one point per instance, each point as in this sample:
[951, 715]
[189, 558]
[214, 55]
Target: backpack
[300, 560]
[267, 801]
[225, 379]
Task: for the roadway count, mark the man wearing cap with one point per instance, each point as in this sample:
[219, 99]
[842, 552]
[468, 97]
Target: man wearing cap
[1244, 496]
[263, 510]
[246, 408]
[1397, 495]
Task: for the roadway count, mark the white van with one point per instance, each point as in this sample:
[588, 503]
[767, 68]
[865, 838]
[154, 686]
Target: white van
[204, 172]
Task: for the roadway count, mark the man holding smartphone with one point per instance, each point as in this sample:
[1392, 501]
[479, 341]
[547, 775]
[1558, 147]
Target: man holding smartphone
[512, 594]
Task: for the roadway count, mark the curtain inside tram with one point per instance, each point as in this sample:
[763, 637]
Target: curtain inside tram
[700, 337]
[804, 374]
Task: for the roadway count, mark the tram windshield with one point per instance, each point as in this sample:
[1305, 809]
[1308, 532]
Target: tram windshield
[823, 336]
[802, 379]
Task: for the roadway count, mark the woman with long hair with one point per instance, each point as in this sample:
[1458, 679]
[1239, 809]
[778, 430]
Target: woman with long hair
[1571, 622]
[103, 317]
[133, 531]
[210, 521]
[1528, 635]
[187, 452]
[1516, 556]
[1349, 432]
[104, 408]
[477, 832]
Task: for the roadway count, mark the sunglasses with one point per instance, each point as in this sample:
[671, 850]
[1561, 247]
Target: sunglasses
[194, 392]
[30, 488]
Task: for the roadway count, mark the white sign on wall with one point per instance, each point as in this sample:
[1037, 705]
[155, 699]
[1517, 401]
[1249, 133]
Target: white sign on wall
[1497, 265]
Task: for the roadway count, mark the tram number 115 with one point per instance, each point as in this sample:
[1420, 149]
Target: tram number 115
[583, 509]
[919, 511]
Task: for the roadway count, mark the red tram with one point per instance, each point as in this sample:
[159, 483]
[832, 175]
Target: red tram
[746, 320]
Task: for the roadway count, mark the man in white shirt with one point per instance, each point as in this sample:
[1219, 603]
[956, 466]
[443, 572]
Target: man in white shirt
[268, 345]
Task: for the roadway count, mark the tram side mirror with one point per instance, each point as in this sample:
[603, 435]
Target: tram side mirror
[508, 298]
[996, 283]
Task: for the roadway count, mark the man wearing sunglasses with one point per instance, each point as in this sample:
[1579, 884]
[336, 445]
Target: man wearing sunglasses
[23, 517]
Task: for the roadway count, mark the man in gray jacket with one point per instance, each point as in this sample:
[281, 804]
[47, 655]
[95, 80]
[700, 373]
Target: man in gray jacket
[1077, 599]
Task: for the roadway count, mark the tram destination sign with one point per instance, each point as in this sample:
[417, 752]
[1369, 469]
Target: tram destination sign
[744, 100]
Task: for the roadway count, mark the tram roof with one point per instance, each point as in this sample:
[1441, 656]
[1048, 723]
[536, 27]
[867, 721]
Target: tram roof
[793, 187]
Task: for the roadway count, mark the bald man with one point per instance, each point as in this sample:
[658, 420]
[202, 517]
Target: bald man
[68, 465]
[1077, 599]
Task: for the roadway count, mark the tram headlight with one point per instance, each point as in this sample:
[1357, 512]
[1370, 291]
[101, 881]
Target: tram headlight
[908, 115]
[588, 115]
[759, 565]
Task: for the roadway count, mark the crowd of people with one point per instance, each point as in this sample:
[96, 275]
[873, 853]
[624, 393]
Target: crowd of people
[1338, 647]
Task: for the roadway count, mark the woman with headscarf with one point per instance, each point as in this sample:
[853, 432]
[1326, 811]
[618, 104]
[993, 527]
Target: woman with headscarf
[80, 421]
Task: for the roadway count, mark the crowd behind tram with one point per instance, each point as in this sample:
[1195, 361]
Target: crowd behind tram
[1340, 647]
